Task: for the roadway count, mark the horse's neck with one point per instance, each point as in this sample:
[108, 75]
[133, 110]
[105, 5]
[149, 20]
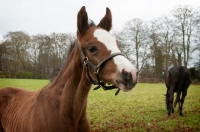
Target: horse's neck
[72, 86]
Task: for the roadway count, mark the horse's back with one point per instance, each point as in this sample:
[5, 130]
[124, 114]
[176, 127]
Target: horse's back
[177, 75]
[25, 111]
[12, 101]
[187, 79]
[9, 94]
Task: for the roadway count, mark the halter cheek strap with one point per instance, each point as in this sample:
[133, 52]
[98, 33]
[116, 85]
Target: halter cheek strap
[96, 68]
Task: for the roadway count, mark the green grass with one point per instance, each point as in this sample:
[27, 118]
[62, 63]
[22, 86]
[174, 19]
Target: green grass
[142, 109]
[30, 84]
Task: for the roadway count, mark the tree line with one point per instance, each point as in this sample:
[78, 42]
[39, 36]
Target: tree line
[41, 54]
[156, 45]
[153, 46]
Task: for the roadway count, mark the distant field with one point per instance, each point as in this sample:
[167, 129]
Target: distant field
[142, 109]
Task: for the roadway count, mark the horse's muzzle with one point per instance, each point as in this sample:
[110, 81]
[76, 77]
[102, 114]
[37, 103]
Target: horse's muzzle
[126, 82]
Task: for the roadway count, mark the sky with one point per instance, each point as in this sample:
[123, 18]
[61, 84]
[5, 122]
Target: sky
[60, 16]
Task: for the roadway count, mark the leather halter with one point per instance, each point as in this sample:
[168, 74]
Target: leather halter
[96, 68]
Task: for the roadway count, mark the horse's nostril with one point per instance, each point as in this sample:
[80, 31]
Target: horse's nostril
[126, 75]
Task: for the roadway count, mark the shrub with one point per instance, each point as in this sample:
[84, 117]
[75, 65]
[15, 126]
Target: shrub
[38, 76]
[5, 74]
[24, 75]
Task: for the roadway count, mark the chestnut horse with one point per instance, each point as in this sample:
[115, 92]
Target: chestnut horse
[177, 81]
[61, 105]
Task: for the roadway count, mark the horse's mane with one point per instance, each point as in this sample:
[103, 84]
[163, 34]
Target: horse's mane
[71, 47]
[58, 69]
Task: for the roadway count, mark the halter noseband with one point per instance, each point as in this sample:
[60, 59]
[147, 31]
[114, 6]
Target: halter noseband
[96, 68]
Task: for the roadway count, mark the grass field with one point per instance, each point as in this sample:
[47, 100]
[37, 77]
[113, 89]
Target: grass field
[142, 109]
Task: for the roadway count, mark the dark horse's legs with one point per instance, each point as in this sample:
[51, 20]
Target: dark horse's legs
[181, 102]
[184, 94]
[170, 94]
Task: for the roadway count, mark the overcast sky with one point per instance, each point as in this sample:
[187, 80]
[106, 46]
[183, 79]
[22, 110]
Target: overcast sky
[47, 16]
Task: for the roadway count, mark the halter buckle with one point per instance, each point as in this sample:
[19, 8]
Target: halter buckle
[85, 60]
[96, 71]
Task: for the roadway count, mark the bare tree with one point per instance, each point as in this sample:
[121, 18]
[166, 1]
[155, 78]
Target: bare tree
[17, 45]
[136, 38]
[186, 22]
[163, 27]
[156, 51]
[124, 46]
[3, 56]
[61, 43]
[49, 52]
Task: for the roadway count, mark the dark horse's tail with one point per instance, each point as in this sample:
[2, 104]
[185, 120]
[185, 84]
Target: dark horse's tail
[180, 85]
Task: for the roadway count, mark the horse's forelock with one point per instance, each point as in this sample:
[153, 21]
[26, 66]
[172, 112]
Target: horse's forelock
[91, 23]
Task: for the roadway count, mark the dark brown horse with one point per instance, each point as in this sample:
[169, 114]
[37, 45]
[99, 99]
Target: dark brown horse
[177, 81]
[61, 105]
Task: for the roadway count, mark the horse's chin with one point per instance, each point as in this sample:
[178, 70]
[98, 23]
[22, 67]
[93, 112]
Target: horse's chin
[124, 88]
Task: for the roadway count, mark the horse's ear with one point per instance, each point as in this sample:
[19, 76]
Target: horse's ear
[106, 21]
[82, 21]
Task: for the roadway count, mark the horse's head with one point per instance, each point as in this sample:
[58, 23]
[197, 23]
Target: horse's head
[102, 49]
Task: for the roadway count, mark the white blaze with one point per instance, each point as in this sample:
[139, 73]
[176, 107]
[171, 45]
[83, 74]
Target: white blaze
[110, 42]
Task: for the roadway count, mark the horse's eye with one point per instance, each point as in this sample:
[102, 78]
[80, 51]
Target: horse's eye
[92, 49]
